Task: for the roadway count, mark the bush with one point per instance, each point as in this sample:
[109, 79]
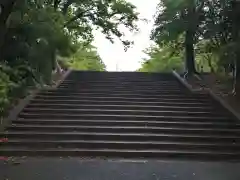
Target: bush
[4, 89]
[14, 82]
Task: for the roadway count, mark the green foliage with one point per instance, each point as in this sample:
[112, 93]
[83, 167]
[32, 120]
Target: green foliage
[13, 82]
[4, 88]
[106, 15]
[211, 30]
[163, 58]
[86, 58]
[37, 32]
[169, 56]
[176, 18]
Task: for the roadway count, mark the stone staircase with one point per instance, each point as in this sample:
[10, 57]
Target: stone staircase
[126, 115]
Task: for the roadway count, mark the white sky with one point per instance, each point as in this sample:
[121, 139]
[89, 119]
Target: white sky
[114, 55]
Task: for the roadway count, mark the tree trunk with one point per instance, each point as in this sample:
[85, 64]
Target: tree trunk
[6, 9]
[210, 64]
[235, 15]
[237, 78]
[189, 39]
[189, 50]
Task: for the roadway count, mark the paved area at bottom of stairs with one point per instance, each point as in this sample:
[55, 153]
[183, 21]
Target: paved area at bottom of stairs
[116, 169]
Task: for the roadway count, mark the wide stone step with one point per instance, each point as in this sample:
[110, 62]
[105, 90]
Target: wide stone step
[125, 129]
[174, 136]
[121, 87]
[125, 79]
[119, 79]
[113, 90]
[133, 145]
[138, 123]
[129, 95]
[81, 78]
[121, 107]
[100, 116]
[162, 112]
[120, 84]
[120, 102]
[132, 81]
[120, 76]
[120, 98]
[115, 78]
[150, 153]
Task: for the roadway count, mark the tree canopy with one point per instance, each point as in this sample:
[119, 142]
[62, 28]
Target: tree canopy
[85, 58]
[36, 36]
[162, 58]
[175, 18]
[210, 30]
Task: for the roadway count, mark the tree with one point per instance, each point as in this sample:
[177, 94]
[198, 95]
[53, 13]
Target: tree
[163, 58]
[206, 56]
[42, 29]
[107, 15]
[36, 32]
[6, 7]
[222, 28]
[175, 18]
[86, 58]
